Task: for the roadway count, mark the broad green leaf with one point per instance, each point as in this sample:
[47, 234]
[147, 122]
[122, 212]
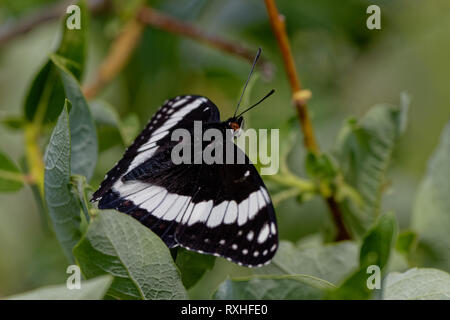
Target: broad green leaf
[46, 95]
[431, 214]
[140, 262]
[93, 289]
[193, 266]
[62, 204]
[10, 176]
[105, 114]
[320, 166]
[375, 250]
[364, 150]
[406, 242]
[299, 287]
[330, 262]
[417, 284]
[378, 242]
[82, 127]
[73, 46]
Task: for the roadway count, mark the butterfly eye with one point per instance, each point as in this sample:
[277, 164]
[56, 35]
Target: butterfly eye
[234, 126]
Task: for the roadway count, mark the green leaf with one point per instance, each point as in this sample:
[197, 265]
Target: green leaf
[330, 262]
[364, 151]
[11, 179]
[74, 42]
[140, 262]
[105, 114]
[193, 266]
[80, 189]
[93, 289]
[82, 127]
[431, 214]
[46, 95]
[299, 287]
[62, 204]
[375, 250]
[379, 241]
[406, 242]
[320, 166]
[417, 284]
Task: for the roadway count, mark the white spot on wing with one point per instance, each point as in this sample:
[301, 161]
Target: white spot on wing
[217, 213]
[243, 212]
[165, 205]
[264, 233]
[200, 212]
[176, 209]
[261, 200]
[232, 213]
[253, 206]
[273, 228]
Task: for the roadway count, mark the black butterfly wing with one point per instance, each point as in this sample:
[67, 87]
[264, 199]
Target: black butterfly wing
[175, 113]
[131, 197]
[230, 215]
[221, 209]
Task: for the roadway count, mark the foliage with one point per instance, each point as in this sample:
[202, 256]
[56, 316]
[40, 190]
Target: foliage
[138, 260]
[10, 178]
[432, 207]
[122, 259]
[93, 289]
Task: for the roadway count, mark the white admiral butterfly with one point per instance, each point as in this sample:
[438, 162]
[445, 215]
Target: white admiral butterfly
[220, 209]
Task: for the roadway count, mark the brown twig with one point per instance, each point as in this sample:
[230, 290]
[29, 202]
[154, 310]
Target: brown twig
[124, 45]
[48, 13]
[300, 97]
[156, 19]
[118, 56]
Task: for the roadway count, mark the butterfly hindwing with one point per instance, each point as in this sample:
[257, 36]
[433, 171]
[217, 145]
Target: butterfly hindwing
[231, 215]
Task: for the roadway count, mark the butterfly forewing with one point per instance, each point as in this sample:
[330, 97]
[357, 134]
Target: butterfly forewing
[220, 209]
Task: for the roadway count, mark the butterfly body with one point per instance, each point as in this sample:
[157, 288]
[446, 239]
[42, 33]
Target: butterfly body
[218, 208]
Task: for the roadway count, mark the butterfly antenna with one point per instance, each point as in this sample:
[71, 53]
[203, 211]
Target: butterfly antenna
[265, 97]
[248, 79]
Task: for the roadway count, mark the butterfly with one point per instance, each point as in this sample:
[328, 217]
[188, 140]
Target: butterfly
[222, 209]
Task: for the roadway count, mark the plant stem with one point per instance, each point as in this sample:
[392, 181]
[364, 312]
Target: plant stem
[291, 180]
[34, 157]
[300, 97]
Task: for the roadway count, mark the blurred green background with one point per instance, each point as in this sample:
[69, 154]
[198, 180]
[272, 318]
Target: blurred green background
[347, 67]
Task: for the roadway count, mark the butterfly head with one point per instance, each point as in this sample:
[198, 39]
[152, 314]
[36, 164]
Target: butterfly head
[236, 124]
